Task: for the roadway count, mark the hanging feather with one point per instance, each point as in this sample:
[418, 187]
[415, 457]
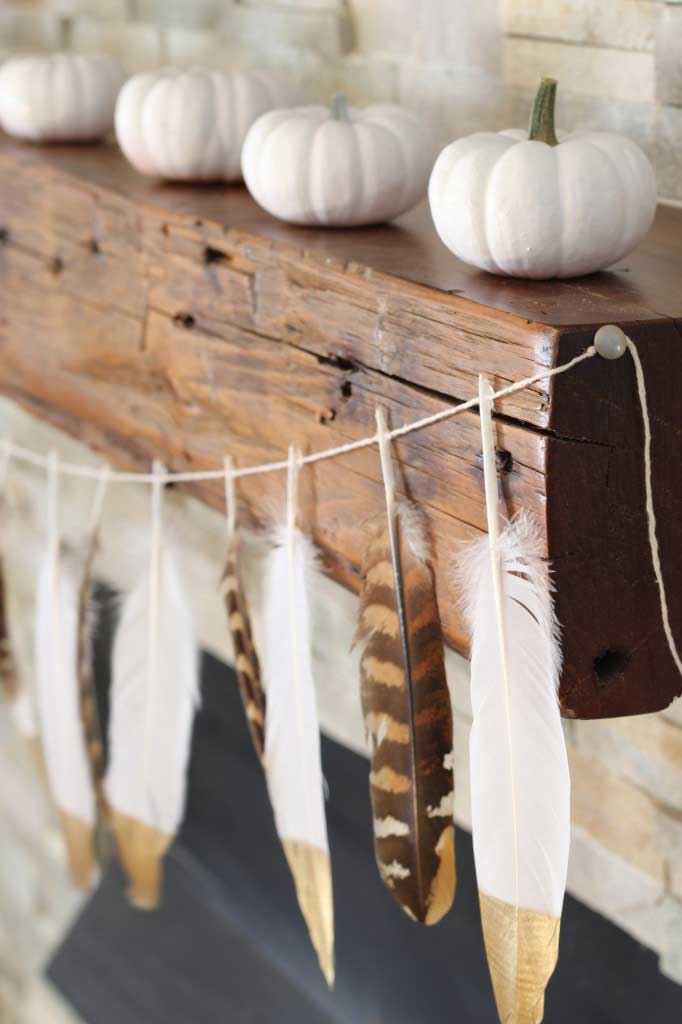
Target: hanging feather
[406, 706]
[246, 658]
[153, 699]
[87, 698]
[520, 787]
[8, 674]
[56, 638]
[292, 737]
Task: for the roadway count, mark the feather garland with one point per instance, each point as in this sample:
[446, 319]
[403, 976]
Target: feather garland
[247, 664]
[155, 688]
[520, 787]
[292, 736]
[56, 639]
[406, 706]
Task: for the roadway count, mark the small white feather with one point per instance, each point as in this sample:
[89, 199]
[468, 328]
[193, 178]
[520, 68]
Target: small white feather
[56, 645]
[292, 734]
[155, 689]
[292, 737]
[520, 787]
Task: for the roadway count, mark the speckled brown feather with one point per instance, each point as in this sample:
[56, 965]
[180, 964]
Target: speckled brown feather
[246, 659]
[87, 699]
[406, 705]
[8, 675]
[92, 733]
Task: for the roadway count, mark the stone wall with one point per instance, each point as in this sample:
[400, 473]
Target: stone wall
[467, 65]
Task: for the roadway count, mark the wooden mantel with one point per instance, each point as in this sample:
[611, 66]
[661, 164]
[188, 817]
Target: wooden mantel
[184, 323]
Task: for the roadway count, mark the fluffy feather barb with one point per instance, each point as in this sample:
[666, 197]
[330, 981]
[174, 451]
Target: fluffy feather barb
[292, 736]
[406, 705]
[56, 639]
[520, 788]
[154, 695]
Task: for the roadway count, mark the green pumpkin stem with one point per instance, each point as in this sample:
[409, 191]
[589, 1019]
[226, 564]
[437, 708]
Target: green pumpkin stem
[339, 108]
[542, 116]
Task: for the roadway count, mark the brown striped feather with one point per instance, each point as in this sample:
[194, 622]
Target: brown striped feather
[8, 675]
[406, 705]
[246, 658]
[87, 699]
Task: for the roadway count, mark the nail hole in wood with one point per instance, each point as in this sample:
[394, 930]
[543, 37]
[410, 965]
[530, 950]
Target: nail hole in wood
[212, 255]
[338, 361]
[610, 666]
[327, 416]
[56, 265]
[346, 389]
[4, 236]
[94, 246]
[504, 461]
[185, 320]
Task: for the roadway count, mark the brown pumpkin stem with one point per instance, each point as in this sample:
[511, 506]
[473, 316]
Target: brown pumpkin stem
[542, 116]
[339, 108]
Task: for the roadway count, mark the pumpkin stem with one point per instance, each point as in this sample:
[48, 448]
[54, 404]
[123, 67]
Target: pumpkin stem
[339, 108]
[542, 116]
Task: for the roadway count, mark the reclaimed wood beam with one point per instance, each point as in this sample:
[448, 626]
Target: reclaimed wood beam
[182, 324]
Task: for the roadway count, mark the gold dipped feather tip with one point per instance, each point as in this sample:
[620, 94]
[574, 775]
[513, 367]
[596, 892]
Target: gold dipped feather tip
[522, 947]
[141, 849]
[247, 664]
[311, 870]
[408, 719]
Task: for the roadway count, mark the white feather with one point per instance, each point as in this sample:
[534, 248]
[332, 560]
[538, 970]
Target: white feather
[56, 645]
[154, 694]
[520, 788]
[292, 735]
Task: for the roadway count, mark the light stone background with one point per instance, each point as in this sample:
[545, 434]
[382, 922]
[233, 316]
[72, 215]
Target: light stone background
[467, 66]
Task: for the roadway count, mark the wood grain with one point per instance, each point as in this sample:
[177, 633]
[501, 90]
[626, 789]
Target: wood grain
[155, 321]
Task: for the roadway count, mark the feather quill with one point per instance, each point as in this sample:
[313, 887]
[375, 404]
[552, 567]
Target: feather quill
[66, 760]
[520, 787]
[292, 736]
[247, 664]
[406, 706]
[154, 695]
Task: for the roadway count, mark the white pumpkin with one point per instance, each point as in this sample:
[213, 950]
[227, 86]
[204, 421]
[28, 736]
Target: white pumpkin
[529, 204]
[64, 97]
[338, 167]
[190, 125]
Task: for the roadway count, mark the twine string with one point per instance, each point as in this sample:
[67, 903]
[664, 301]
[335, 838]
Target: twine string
[78, 470]
[649, 501]
[229, 474]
